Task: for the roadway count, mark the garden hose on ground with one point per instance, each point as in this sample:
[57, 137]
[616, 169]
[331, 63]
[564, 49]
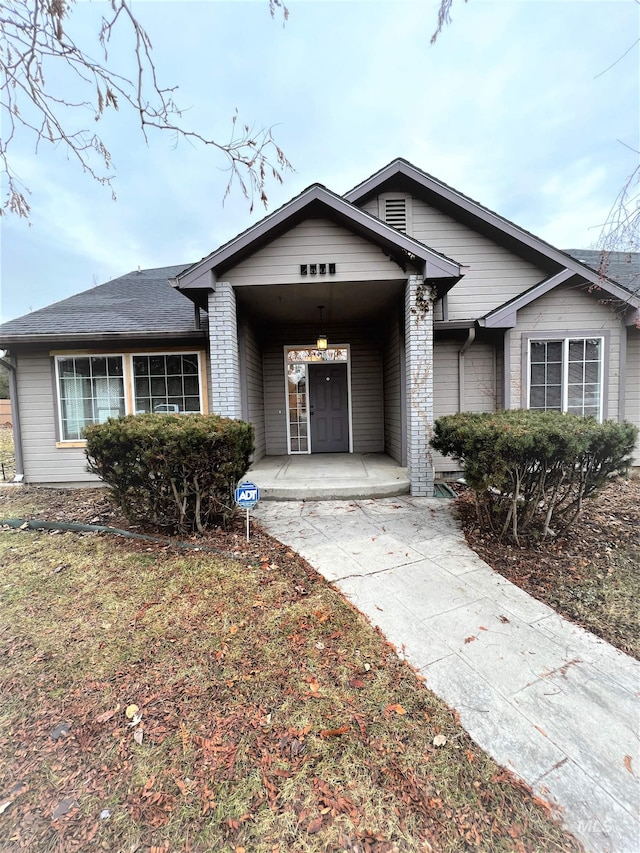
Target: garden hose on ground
[76, 527]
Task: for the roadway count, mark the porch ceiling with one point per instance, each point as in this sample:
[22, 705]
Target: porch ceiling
[344, 302]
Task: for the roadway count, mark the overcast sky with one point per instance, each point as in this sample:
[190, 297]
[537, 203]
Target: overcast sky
[510, 107]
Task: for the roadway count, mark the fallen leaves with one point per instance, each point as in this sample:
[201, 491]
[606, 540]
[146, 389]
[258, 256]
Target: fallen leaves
[108, 715]
[396, 708]
[334, 732]
[216, 683]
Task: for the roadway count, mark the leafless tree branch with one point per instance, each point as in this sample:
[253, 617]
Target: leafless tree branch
[444, 18]
[33, 40]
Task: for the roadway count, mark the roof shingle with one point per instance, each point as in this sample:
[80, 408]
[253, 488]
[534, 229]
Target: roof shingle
[140, 302]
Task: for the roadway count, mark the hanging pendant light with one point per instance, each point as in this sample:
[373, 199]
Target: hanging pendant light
[321, 342]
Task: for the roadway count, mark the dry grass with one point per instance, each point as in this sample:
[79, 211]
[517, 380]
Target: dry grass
[273, 717]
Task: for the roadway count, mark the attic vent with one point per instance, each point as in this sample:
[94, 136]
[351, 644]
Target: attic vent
[395, 213]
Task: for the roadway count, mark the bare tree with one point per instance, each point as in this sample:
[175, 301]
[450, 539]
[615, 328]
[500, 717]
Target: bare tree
[34, 40]
[620, 233]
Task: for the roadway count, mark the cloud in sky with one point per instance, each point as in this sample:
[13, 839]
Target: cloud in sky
[507, 107]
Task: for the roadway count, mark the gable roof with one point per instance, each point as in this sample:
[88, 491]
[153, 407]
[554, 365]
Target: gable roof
[138, 303]
[402, 173]
[318, 201]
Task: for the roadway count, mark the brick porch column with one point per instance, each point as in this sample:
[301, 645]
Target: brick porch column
[419, 378]
[224, 394]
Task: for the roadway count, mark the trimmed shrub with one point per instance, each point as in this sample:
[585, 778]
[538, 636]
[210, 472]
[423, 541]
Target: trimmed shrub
[531, 471]
[173, 472]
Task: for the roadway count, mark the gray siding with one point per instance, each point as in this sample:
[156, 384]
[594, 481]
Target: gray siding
[479, 383]
[495, 274]
[566, 311]
[366, 385]
[314, 241]
[392, 375]
[45, 463]
[632, 396]
[480, 378]
[253, 387]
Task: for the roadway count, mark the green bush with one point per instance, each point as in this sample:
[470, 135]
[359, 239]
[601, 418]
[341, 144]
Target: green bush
[173, 472]
[532, 470]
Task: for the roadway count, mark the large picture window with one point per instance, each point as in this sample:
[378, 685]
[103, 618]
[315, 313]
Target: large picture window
[166, 383]
[91, 389]
[565, 375]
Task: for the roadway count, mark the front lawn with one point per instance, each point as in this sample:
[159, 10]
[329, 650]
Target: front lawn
[163, 700]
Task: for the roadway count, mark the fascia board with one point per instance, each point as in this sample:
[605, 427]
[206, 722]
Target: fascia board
[89, 337]
[440, 266]
[401, 167]
[505, 315]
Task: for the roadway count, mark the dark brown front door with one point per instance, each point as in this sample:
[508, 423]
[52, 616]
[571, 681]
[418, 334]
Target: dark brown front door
[329, 408]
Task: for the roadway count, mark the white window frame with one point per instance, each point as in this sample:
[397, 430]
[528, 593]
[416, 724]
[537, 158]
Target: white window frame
[565, 340]
[65, 356]
[128, 379]
[196, 353]
[305, 363]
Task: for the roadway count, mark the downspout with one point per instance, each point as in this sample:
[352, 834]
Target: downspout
[15, 414]
[465, 346]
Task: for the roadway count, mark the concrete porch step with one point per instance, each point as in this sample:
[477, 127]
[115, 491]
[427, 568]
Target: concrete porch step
[329, 476]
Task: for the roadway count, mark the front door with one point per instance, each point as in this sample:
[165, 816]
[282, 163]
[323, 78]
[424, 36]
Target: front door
[329, 408]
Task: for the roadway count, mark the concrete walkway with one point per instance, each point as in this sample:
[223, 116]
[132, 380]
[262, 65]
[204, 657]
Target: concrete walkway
[546, 699]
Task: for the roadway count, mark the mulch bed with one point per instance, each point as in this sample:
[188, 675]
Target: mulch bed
[574, 573]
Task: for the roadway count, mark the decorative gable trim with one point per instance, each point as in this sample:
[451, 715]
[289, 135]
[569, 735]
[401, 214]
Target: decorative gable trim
[318, 201]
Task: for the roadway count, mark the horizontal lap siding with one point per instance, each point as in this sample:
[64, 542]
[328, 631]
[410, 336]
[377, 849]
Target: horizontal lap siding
[632, 397]
[480, 378]
[366, 386]
[254, 389]
[392, 392]
[314, 241]
[445, 391]
[367, 395]
[564, 311]
[479, 381]
[43, 461]
[495, 274]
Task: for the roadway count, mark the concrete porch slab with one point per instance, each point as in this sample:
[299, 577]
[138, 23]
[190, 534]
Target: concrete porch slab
[328, 476]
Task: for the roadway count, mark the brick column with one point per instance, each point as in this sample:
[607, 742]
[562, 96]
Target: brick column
[223, 349]
[419, 378]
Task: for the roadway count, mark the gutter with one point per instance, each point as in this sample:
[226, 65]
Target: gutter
[15, 413]
[471, 336]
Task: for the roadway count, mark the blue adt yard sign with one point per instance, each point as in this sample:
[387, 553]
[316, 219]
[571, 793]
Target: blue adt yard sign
[247, 496]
